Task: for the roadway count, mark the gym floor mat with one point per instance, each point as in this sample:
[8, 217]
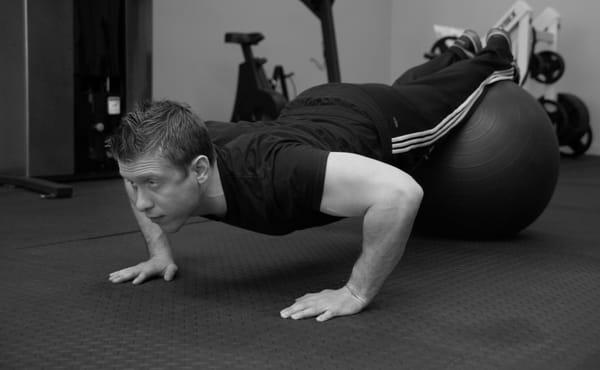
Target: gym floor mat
[528, 302]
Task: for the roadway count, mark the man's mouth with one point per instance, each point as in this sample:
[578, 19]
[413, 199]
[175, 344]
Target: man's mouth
[156, 219]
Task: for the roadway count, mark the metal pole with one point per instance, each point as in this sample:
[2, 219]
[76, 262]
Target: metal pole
[329, 41]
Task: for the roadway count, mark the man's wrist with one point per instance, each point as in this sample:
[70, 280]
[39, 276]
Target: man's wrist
[355, 294]
[160, 252]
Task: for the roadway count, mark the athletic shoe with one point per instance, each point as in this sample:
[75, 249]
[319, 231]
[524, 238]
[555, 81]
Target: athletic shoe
[469, 42]
[498, 34]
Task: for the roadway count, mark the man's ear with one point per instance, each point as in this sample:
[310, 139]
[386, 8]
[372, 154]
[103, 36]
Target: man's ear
[200, 167]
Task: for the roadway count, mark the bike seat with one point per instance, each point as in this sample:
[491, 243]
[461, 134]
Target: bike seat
[251, 38]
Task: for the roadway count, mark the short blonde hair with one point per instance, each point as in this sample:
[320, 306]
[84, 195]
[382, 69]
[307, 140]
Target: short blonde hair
[166, 127]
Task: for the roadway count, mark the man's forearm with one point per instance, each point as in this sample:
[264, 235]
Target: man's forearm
[156, 239]
[386, 229]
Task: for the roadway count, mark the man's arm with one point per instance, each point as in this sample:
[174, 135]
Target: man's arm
[160, 262]
[388, 199]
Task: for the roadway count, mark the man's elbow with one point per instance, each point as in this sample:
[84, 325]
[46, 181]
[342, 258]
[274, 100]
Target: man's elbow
[407, 194]
[413, 194]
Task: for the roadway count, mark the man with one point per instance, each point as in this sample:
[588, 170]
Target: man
[337, 150]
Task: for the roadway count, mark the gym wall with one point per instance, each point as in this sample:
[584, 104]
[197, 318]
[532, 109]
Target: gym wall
[36, 130]
[12, 100]
[412, 35]
[192, 63]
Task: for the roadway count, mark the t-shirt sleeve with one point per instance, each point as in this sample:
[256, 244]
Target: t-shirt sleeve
[299, 177]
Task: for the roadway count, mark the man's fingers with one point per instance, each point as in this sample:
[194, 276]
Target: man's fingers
[307, 312]
[140, 278]
[313, 295]
[170, 272]
[301, 310]
[308, 295]
[325, 316]
[324, 305]
[298, 312]
[287, 312]
[122, 275]
[115, 275]
[144, 271]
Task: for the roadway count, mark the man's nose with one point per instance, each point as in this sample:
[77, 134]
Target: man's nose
[142, 201]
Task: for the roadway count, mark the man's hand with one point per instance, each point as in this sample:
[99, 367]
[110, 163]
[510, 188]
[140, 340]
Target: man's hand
[326, 304]
[155, 266]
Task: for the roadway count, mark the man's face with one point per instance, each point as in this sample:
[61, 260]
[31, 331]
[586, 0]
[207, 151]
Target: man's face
[163, 192]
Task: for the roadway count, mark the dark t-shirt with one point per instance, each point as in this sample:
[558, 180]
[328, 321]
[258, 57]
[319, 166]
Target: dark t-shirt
[273, 172]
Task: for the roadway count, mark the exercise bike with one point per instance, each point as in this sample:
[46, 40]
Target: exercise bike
[256, 97]
[261, 98]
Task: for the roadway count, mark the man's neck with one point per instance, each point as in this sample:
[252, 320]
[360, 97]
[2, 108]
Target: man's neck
[213, 200]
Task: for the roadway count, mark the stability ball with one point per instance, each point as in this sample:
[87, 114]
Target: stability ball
[495, 174]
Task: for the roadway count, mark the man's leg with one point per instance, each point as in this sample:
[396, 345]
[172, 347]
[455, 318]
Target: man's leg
[442, 91]
[442, 100]
[465, 47]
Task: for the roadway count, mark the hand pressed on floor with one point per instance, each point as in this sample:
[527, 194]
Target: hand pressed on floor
[155, 266]
[325, 305]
